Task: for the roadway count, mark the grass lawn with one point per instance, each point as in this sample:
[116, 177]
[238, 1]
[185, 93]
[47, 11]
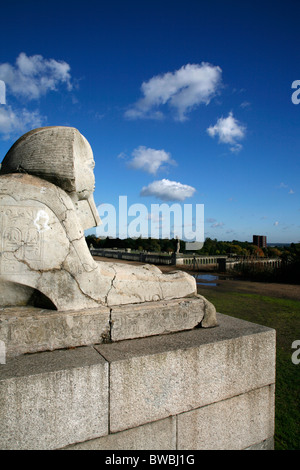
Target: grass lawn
[282, 314]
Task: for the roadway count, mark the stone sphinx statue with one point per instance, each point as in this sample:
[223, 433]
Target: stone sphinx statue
[46, 203]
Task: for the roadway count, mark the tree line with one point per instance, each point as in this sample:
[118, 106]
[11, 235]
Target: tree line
[152, 245]
[288, 271]
[211, 247]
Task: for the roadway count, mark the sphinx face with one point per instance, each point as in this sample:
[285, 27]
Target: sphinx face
[84, 164]
[82, 196]
[62, 156]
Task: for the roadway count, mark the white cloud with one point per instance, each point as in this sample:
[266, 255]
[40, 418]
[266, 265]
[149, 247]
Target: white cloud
[32, 77]
[229, 131]
[182, 90]
[245, 104]
[218, 225]
[18, 121]
[167, 190]
[276, 223]
[150, 160]
[285, 186]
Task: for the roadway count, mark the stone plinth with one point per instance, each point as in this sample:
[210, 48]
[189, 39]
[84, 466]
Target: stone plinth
[29, 329]
[156, 318]
[153, 378]
[196, 389]
[50, 400]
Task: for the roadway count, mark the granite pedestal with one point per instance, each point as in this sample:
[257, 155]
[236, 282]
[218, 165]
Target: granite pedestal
[194, 389]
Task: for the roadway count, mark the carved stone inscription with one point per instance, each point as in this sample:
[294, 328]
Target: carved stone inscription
[155, 319]
[21, 237]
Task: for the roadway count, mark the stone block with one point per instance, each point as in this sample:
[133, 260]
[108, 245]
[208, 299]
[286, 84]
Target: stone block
[268, 444]
[29, 329]
[159, 435]
[153, 378]
[155, 318]
[233, 424]
[53, 399]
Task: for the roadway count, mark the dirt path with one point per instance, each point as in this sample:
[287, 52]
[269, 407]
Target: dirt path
[284, 291]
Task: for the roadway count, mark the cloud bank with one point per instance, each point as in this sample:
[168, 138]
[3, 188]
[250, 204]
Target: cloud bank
[34, 76]
[182, 90]
[30, 78]
[18, 121]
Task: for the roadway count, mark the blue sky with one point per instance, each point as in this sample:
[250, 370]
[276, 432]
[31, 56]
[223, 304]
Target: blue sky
[184, 102]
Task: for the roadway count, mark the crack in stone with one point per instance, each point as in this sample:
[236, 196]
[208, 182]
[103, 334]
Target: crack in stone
[111, 286]
[99, 302]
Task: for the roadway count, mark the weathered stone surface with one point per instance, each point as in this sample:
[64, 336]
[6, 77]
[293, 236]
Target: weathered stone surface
[136, 284]
[155, 318]
[267, 444]
[234, 424]
[200, 388]
[46, 203]
[153, 378]
[30, 330]
[159, 435]
[50, 400]
[43, 245]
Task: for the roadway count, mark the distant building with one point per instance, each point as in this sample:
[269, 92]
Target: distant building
[260, 241]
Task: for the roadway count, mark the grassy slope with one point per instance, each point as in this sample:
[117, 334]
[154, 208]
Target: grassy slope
[284, 316]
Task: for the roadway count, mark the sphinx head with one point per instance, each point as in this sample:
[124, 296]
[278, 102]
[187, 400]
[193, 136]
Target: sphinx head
[62, 156]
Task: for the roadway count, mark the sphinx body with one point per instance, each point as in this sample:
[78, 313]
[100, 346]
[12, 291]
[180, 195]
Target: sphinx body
[46, 203]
